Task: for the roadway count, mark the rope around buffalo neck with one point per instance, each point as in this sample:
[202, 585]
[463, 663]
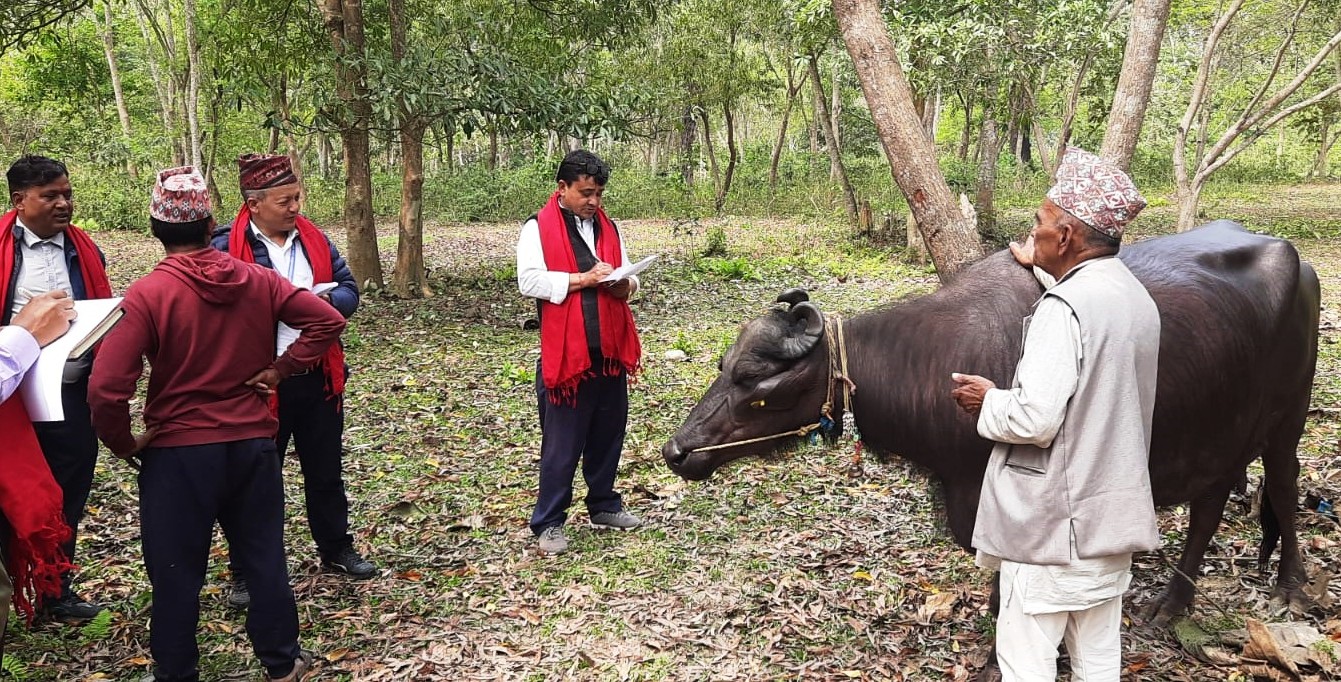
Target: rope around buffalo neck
[836, 341]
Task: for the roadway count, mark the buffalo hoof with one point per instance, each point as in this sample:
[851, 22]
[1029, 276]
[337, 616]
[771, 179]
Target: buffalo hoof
[1170, 604]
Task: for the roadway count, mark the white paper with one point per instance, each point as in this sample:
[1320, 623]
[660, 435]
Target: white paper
[630, 270]
[41, 387]
[319, 289]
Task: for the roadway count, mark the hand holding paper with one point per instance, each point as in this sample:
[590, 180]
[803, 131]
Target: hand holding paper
[629, 270]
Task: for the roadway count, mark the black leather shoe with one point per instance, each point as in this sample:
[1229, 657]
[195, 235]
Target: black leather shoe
[239, 598]
[351, 563]
[71, 608]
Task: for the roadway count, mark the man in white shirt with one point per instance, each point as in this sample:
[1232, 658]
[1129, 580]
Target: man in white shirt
[42, 320]
[270, 230]
[588, 348]
[41, 251]
[1066, 496]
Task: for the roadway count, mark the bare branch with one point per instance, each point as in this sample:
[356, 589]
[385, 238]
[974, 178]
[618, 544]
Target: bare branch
[1199, 88]
[1275, 63]
[1268, 125]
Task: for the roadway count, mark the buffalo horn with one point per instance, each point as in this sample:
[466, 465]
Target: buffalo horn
[793, 296]
[800, 345]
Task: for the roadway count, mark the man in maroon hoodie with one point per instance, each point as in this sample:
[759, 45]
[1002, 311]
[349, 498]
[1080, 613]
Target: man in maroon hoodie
[206, 322]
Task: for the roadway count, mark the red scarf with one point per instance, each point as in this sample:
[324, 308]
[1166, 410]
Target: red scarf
[564, 358]
[29, 496]
[319, 255]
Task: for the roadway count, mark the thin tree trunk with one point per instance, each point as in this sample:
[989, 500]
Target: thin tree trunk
[492, 162]
[449, 132]
[122, 113]
[344, 21]
[989, 146]
[1139, 62]
[708, 149]
[835, 158]
[966, 134]
[835, 118]
[162, 85]
[792, 89]
[732, 155]
[193, 81]
[687, 135]
[948, 229]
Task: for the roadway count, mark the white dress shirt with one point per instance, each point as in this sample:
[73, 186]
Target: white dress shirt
[18, 352]
[43, 268]
[290, 261]
[536, 280]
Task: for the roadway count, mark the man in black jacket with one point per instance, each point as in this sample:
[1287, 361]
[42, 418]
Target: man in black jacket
[270, 231]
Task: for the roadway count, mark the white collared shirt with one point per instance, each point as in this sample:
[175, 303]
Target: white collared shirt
[536, 280]
[291, 262]
[43, 269]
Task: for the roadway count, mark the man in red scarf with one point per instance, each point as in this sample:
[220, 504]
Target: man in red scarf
[588, 348]
[206, 323]
[40, 251]
[270, 231]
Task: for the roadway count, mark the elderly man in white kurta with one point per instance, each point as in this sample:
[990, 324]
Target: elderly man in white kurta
[1066, 497]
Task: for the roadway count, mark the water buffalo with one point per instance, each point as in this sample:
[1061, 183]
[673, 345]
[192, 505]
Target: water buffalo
[1239, 317]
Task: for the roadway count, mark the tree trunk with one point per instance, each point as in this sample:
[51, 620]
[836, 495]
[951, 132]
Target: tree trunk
[122, 113]
[792, 89]
[344, 21]
[162, 86]
[732, 155]
[966, 135]
[324, 155]
[835, 157]
[193, 81]
[687, 135]
[408, 280]
[948, 229]
[1139, 62]
[708, 149]
[835, 126]
[989, 146]
[449, 132]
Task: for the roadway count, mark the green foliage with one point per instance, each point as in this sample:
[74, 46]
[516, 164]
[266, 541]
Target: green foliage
[97, 630]
[14, 668]
[738, 269]
[517, 375]
[714, 242]
[109, 200]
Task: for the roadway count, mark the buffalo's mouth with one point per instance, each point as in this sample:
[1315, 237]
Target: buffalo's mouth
[698, 465]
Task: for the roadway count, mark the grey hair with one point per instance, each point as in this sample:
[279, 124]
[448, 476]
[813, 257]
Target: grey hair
[257, 194]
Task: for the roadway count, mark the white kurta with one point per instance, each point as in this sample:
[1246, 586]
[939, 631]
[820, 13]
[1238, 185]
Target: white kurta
[1032, 413]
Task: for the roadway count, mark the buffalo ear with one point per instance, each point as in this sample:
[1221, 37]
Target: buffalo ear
[793, 296]
[796, 345]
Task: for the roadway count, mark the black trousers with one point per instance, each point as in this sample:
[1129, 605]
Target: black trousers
[183, 491]
[590, 430]
[317, 426]
[71, 450]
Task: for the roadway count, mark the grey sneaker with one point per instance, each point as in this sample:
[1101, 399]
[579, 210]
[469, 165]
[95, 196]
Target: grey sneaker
[620, 520]
[553, 541]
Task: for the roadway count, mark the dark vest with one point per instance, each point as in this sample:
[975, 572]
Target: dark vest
[586, 260]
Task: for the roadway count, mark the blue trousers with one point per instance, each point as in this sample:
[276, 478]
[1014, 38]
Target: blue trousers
[183, 491]
[591, 431]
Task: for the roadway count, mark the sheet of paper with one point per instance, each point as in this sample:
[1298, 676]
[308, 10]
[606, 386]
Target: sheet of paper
[41, 387]
[324, 287]
[630, 270]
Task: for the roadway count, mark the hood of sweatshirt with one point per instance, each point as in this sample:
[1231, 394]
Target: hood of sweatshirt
[215, 276]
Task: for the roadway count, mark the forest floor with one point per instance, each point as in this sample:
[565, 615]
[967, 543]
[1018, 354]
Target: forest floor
[791, 567]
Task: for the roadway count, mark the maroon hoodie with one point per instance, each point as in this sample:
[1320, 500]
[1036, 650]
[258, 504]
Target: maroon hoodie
[206, 322]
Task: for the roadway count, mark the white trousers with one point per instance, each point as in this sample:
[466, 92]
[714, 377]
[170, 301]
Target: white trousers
[1026, 645]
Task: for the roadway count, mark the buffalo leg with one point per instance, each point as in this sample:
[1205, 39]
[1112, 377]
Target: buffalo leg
[1281, 467]
[1203, 519]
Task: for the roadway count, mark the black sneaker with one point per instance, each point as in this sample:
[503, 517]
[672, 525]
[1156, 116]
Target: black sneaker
[239, 598]
[351, 563]
[71, 608]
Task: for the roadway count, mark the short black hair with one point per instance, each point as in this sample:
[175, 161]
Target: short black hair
[194, 233]
[32, 170]
[581, 162]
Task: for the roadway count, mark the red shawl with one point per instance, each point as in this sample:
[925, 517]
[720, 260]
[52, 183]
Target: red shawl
[564, 358]
[29, 496]
[319, 255]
